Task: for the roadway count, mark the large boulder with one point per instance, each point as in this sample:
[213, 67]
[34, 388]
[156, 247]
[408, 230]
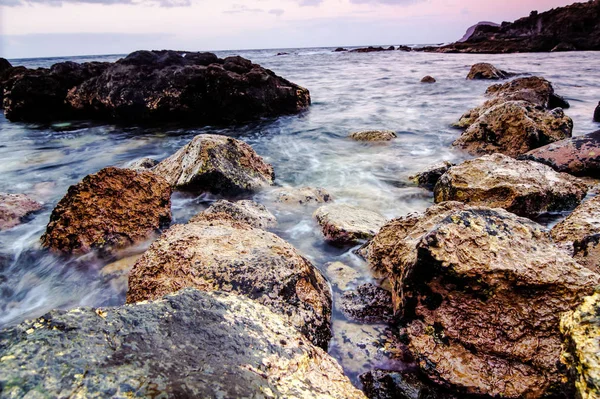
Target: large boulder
[373, 135]
[217, 253]
[14, 208]
[486, 71]
[525, 188]
[109, 210]
[579, 156]
[218, 164]
[345, 224]
[481, 291]
[189, 344]
[580, 233]
[198, 87]
[581, 329]
[429, 177]
[253, 213]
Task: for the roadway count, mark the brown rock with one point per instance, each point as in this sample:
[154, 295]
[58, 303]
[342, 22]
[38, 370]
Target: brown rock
[217, 164]
[373, 135]
[341, 275]
[525, 188]
[109, 210]
[253, 213]
[302, 195]
[486, 71]
[482, 291]
[428, 79]
[431, 175]
[14, 208]
[218, 253]
[345, 224]
[579, 156]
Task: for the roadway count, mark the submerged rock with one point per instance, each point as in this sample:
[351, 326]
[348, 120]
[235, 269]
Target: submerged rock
[142, 164]
[581, 329]
[385, 384]
[578, 156]
[482, 291]
[189, 344]
[341, 275]
[525, 188]
[109, 210]
[428, 79]
[14, 208]
[486, 71]
[345, 224]
[218, 164]
[367, 304]
[580, 233]
[253, 213]
[429, 177]
[373, 135]
[302, 195]
[217, 253]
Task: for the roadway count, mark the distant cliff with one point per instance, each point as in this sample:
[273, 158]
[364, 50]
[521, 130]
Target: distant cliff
[472, 29]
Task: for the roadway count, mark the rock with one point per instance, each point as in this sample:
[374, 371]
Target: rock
[385, 384]
[405, 48]
[117, 272]
[218, 164]
[597, 113]
[14, 208]
[579, 156]
[253, 213]
[341, 275]
[195, 87]
[189, 344]
[372, 49]
[563, 47]
[580, 233]
[344, 224]
[482, 291]
[514, 128]
[107, 211]
[218, 253]
[373, 135]
[429, 177]
[581, 329]
[280, 54]
[339, 50]
[4, 65]
[302, 195]
[428, 79]
[143, 164]
[525, 188]
[367, 304]
[486, 71]
[471, 29]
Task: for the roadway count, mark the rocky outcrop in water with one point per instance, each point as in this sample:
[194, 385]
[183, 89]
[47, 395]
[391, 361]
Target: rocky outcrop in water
[344, 224]
[14, 208]
[154, 86]
[481, 291]
[189, 344]
[301, 195]
[373, 135]
[525, 188]
[218, 164]
[428, 79]
[372, 49]
[597, 113]
[250, 212]
[485, 71]
[429, 177]
[579, 156]
[109, 210]
[4, 65]
[214, 252]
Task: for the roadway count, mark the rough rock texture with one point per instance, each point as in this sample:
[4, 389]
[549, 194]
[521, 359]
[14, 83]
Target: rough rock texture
[142, 164]
[345, 224]
[575, 27]
[482, 291]
[525, 188]
[341, 275]
[472, 28]
[218, 164]
[218, 253]
[367, 304]
[514, 128]
[191, 344]
[428, 79]
[302, 195]
[581, 329]
[486, 71]
[373, 135]
[579, 156]
[384, 384]
[429, 177]
[580, 233]
[15, 207]
[253, 213]
[109, 210]
[597, 113]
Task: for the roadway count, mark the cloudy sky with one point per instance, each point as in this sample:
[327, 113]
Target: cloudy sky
[41, 28]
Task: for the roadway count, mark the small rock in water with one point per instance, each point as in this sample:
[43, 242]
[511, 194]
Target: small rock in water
[302, 195]
[142, 164]
[14, 208]
[597, 113]
[373, 135]
[339, 50]
[368, 304]
[428, 79]
[345, 224]
[429, 177]
[341, 275]
[486, 71]
[253, 213]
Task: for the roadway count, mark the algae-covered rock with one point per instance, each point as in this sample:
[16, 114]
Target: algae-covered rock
[217, 164]
[14, 208]
[484, 70]
[526, 188]
[191, 344]
[429, 177]
[109, 210]
[214, 252]
[253, 213]
[345, 224]
[373, 135]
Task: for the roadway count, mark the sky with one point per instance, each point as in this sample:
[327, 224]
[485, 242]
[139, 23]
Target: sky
[45, 28]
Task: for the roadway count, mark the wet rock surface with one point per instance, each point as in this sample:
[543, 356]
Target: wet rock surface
[482, 291]
[301, 195]
[373, 135]
[107, 211]
[579, 156]
[190, 344]
[597, 113]
[218, 164]
[429, 177]
[344, 224]
[581, 329]
[341, 275]
[385, 384]
[486, 71]
[525, 188]
[142, 164]
[14, 208]
[217, 253]
[367, 304]
[250, 212]
[428, 79]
